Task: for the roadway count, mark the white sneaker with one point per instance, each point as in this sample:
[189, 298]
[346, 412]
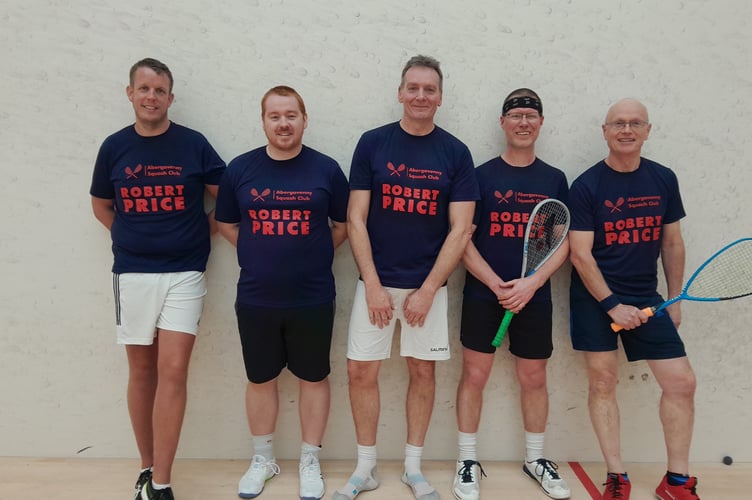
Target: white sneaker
[544, 472]
[465, 485]
[261, 470]
[311, 480]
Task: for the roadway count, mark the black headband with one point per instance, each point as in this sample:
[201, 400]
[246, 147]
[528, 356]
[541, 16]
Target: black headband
[522, 102]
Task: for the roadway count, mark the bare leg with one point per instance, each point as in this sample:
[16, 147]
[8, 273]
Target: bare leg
[364, 399]
[531, 375]
[315, 398]
[262, 407]
[476, 368]
[170, 400]
[604, 408]
[420, 397]
[677, 408]
[142, 387]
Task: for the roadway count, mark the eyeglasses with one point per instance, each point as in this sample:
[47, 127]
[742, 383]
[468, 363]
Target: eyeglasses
[517, 117]
[635, 125]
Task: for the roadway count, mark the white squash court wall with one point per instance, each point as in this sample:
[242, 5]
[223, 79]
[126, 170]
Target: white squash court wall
[64, 70]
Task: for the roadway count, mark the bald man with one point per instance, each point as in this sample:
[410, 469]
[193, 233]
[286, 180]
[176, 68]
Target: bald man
[626, 212]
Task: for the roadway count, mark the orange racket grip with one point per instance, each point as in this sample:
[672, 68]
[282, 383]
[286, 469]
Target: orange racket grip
[649, 311]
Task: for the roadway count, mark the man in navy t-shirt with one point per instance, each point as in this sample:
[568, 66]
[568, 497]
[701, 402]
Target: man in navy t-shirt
[148, 189]
[626, 213]
[284, 207]
[511, 185]
[412, 197]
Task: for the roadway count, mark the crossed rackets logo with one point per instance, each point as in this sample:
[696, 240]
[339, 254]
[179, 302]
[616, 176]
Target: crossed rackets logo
[615, 207]
[503, 198]
[260, 196]
[395, 170]
[131, 173]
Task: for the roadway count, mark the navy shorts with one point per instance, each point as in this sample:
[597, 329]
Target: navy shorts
[297, 338]
[591, 328]
[529, 332]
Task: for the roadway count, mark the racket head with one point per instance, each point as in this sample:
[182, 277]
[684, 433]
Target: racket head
[546, 230]
[725, 275]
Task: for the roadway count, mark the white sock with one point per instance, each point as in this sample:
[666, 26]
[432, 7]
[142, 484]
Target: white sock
[468, 446]
[367, 456]
[309, 449]
[158, 486]
[263, 445]
[533, 446]
[413, 455]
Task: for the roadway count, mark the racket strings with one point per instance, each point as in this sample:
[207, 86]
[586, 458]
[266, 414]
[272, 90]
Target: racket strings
[547, 229]
[727, 275]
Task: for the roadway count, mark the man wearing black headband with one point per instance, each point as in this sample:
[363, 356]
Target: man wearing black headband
[626, 212]
[511, 185]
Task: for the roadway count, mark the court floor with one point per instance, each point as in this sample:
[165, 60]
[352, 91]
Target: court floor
[112, 479]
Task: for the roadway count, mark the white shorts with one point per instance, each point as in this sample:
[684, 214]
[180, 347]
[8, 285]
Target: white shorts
[147, 301]
[367, 342]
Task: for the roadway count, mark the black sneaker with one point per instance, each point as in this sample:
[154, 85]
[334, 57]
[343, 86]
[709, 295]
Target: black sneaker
[143, 478]
[149, 493]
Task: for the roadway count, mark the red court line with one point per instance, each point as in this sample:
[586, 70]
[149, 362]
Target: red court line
[595, 494]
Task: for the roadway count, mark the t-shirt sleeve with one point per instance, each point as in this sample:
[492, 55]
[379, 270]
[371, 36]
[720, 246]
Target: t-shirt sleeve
[213, 165]
[580, 208]
[465, 183]
[101, 184]
[675, 209]
[360, 168]
[227, 209]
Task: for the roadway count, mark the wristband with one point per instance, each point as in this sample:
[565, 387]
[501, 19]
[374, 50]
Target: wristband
[609, 303]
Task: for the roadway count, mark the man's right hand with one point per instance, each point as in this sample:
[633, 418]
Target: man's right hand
[380, 305]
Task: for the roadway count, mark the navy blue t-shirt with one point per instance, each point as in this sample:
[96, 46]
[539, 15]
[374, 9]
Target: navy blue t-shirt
[507, 197]
[285, 248]
[158, 186]
[626, 212]
[412, 180]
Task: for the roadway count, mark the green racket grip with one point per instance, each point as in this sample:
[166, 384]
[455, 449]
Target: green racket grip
[508, 315]
[650, 311]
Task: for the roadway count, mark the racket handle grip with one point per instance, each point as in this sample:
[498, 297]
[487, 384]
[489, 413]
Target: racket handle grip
[508, 315]
[649, 311]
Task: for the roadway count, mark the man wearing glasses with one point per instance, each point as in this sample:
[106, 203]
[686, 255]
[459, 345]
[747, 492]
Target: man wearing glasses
[625, 213]
[511, 184]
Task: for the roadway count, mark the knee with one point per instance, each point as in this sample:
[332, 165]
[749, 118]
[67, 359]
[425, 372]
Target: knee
[532, 380]
[473, 376]
[682, 386]
[421, 370]
[602, 383]
[361, 373]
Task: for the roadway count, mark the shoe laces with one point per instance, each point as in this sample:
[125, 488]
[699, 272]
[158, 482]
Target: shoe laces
[310, 467]
[614, 485]
[260, 464]
[548, 468]
[466, 471]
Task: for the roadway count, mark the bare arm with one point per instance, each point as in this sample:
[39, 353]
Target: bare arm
[478, 267]
[339, 233]
[230, 231]
[418, 303]
[380, 304]
[581, 255]
[104, 210]
[673, 258]
[212, 189]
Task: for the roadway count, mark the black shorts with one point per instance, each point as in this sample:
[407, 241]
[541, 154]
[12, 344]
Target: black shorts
[529, 332]
[591, 328]
[297, 338]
